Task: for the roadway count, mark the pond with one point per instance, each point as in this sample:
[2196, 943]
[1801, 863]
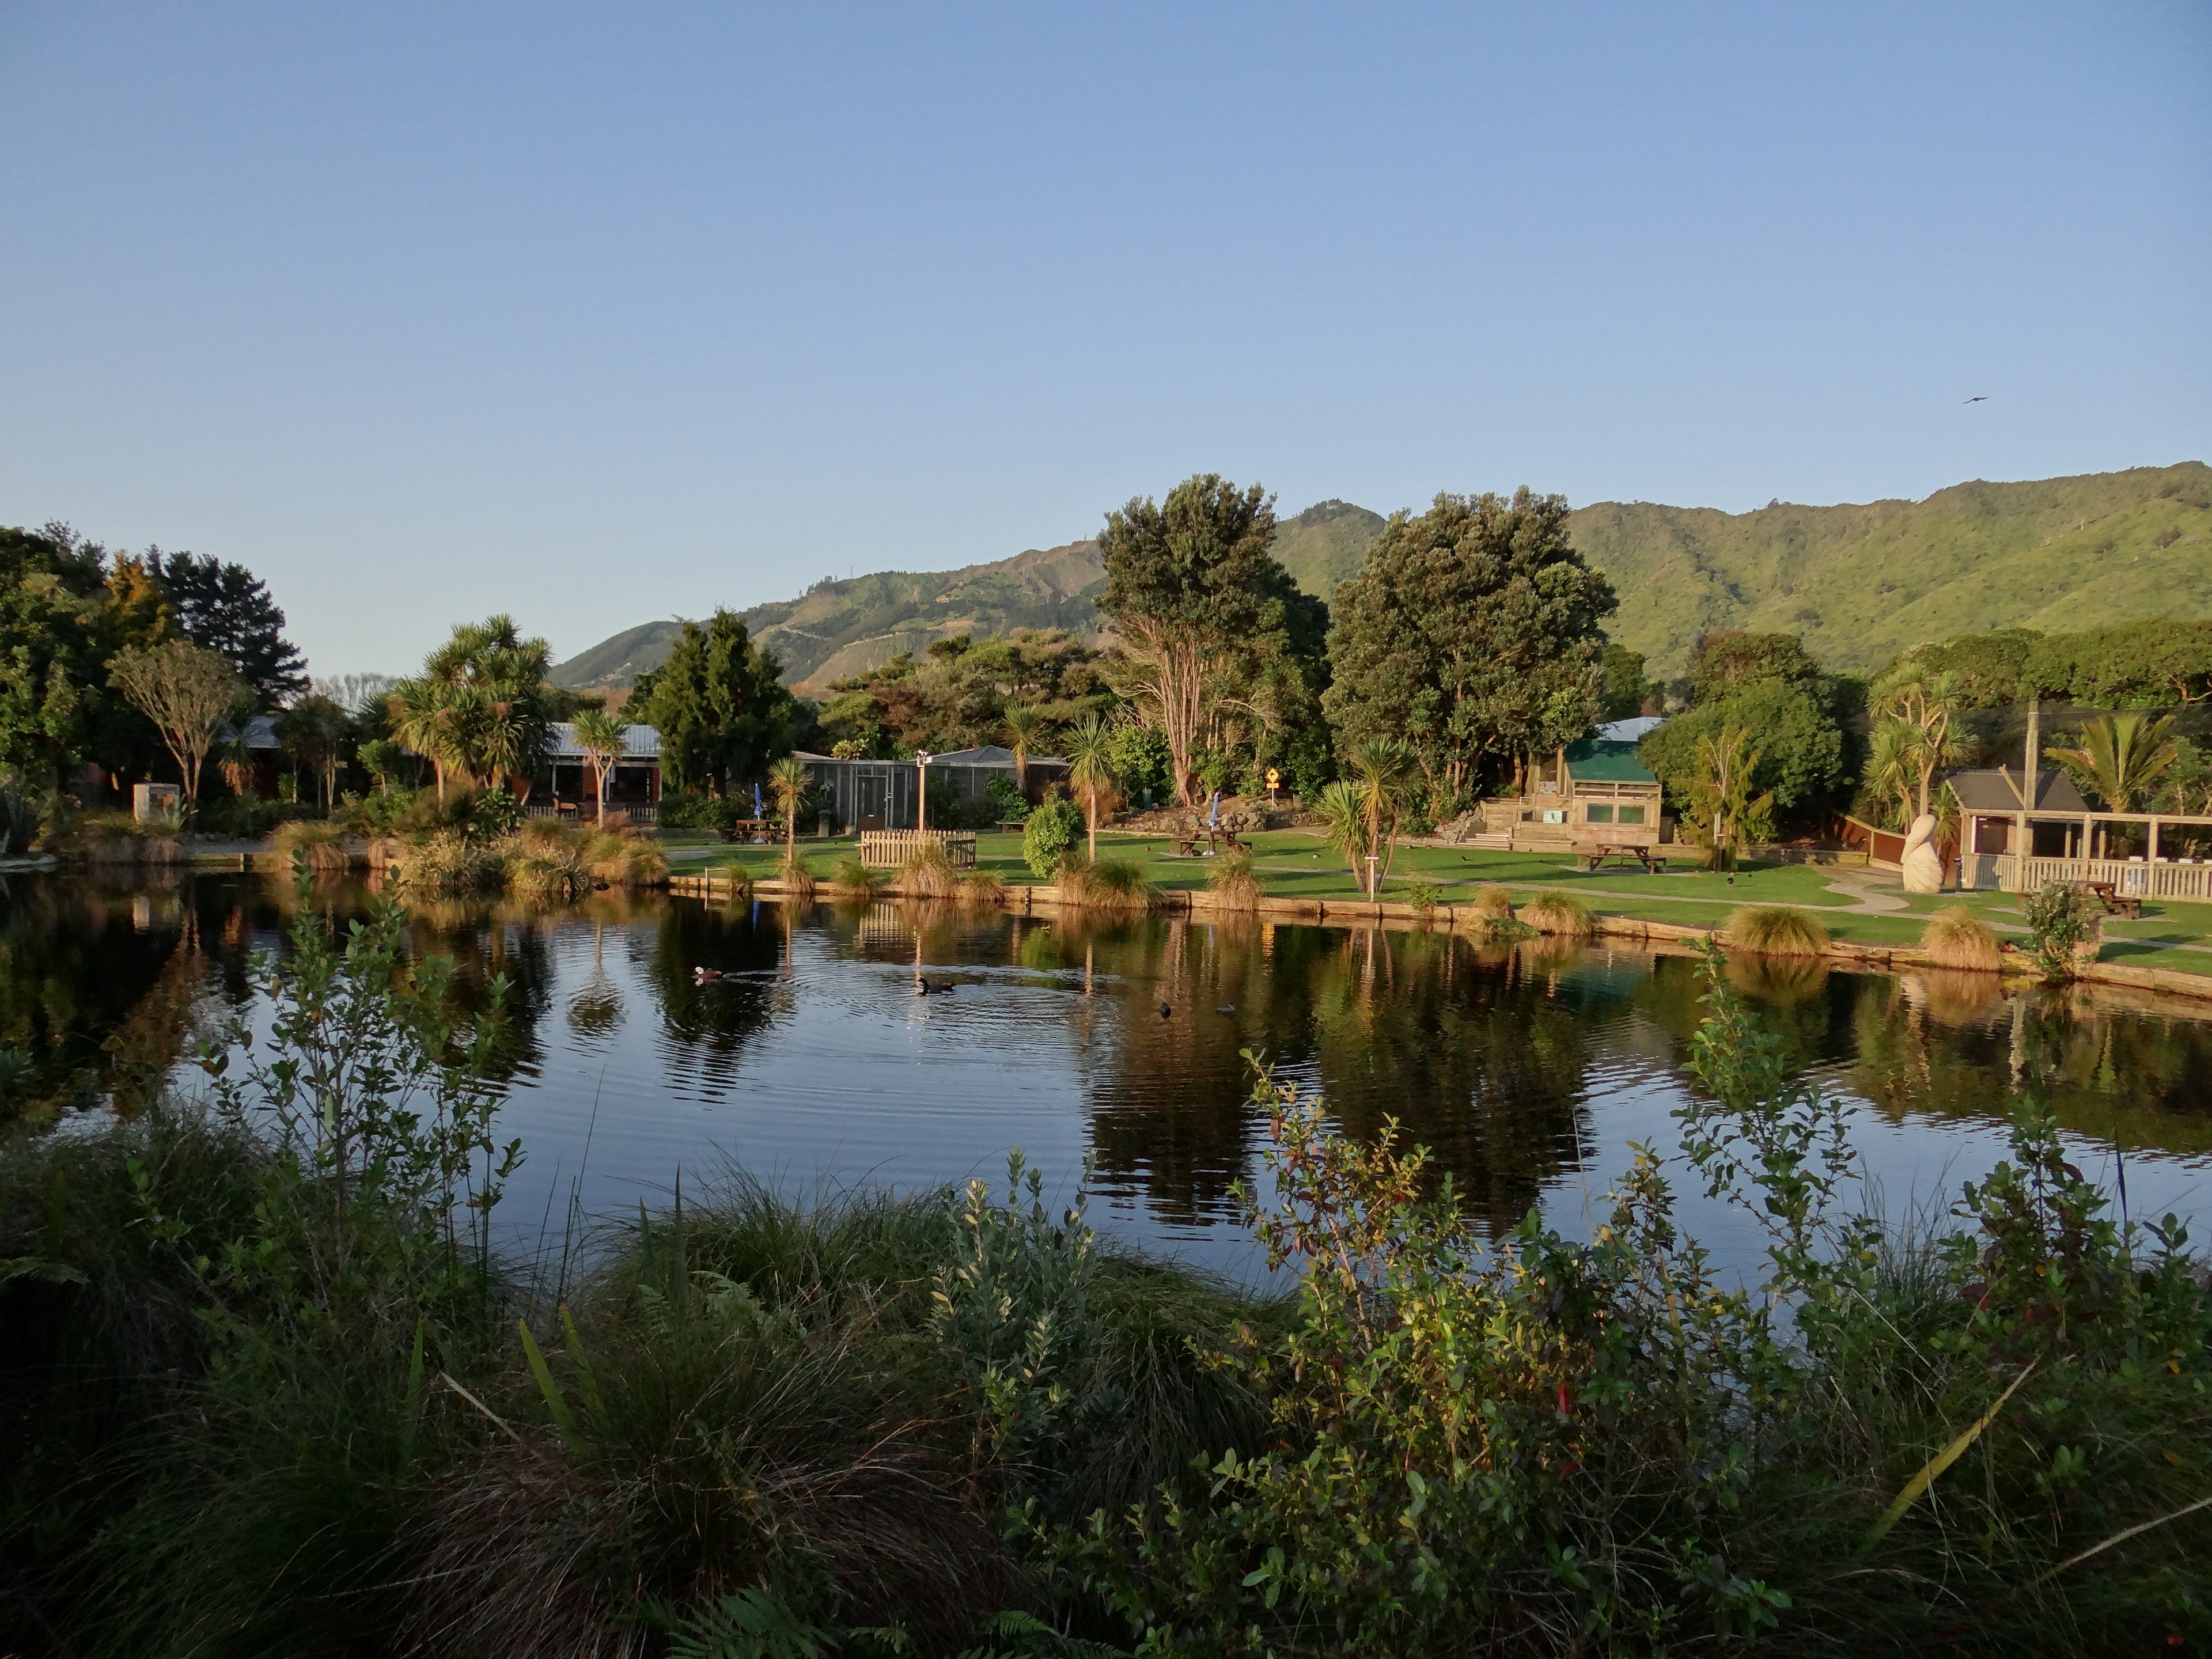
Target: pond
[1120, 1043]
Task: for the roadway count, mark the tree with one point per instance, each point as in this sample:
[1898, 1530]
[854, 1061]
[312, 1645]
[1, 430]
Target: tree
[1380, 771]
[1891, 774]
[312, 733]
[1719, 806]
[2136, 665]
[187, 692]
[787, 785]
[1800, 742]
[225, 608]
[1729, 659]
[720, 706]
[1091, 772]
[1022, 728]
[481, 707]
[2121, 758]
[1625, 690]
[605, 740]
[1471, 631]
[1188, 583]
[960, 692]
[382, 759]
[1927, 702]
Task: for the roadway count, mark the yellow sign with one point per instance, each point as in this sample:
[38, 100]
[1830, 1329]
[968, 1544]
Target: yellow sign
[1273, 777]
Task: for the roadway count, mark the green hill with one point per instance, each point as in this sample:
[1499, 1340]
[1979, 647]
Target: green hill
[1861, 583]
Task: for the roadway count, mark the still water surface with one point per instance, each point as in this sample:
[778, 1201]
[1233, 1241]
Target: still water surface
[1528, 1070]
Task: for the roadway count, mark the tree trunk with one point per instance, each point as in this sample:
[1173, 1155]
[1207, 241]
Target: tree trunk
[1091, 818]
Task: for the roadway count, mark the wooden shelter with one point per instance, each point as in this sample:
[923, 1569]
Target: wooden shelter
[1594, 792]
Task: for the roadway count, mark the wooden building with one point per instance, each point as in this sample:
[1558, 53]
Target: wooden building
[633, 785]
[1594, 792]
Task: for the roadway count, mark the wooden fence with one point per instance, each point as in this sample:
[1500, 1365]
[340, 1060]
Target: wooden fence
[887, 849]
[2130, 877]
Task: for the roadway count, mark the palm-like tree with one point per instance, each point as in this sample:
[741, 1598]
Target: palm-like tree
[604, 740]
[1381, 774]
[428, 717]
[2122, 757]
[1928, 703]
[1022, 727]
[1344, 824]
[786, 783]
[1891, 768]
[1090, 772]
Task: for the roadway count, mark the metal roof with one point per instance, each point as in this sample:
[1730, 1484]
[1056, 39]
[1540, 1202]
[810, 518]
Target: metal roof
[640, 743]
[988, 754]
[1595, 760]
[1995, 790]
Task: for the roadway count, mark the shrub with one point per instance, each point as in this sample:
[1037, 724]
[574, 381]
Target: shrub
[111, 836]
[1492, 902]
[983, 890]
[320, 842]
[1054, 827]
[1234, 882]
[1006, 803]
[928, 872]
[1108, 884]
[681, 809]
[1551, 912]
[1423, 895]
[2061, 924]
[448, 864]
[852, 878]
[797, 880]
[1777, 930]
[1955, 939]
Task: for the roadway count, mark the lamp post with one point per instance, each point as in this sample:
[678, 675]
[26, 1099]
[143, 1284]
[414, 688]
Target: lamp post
[922, 761]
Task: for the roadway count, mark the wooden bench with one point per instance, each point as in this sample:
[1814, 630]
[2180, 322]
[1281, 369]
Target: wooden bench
[2115, 902]
[1593, 858]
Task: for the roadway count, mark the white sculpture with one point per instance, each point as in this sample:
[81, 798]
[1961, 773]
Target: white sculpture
[1923, 867]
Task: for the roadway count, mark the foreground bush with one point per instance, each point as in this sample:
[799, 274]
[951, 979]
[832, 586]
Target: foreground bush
[270, 1393]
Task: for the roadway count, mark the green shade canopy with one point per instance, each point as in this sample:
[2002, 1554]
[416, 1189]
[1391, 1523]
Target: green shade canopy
[1598, 760]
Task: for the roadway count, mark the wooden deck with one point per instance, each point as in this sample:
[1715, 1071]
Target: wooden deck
[2188, 883]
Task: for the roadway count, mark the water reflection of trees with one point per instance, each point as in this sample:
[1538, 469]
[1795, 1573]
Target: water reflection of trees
[1479, 1059]
[1964, 1046]
[706, 1026]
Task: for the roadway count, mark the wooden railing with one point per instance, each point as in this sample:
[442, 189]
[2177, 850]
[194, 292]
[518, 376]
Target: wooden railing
[2188, 883]
[887, 849]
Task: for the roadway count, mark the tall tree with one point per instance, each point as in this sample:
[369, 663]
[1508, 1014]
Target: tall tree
[188, 693]
[1091, 772]
[1471, 631]
[481, 707]
[605, 740]
[2121, 758]
[719, 705]
[1188, 583]
[1926, 703]
[225, 608]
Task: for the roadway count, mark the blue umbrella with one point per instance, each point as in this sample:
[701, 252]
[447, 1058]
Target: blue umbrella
[757, 802]
[1214, 816]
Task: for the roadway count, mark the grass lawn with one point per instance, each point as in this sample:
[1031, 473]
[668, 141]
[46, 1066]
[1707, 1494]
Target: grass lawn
[1297, 865]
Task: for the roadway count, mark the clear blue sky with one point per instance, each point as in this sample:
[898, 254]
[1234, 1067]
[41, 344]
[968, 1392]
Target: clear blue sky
[609, 313]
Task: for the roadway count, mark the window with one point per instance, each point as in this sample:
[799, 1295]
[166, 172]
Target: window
[1632, 814]
[1598, 812]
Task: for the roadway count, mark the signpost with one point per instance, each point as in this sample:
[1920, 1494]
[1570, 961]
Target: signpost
[1274, 778]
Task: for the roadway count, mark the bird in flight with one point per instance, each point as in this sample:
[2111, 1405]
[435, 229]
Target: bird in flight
[1978, 400]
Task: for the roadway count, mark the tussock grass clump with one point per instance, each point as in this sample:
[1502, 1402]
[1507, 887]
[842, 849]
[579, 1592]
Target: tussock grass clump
[1108, 884]
[111, 836]
[928, 872]
[1234, 881]
[552, 875]
[322, 840]
[1777, 930]
[854, 879]
[1492, 902]
[983, 890]
[1560, 912]
[448, 864]
[739, 878]
[1956, 938]
[798, 880]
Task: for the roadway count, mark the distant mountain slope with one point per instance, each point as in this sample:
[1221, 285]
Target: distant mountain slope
[617, 662]
[1860, 583]
[1324, 544]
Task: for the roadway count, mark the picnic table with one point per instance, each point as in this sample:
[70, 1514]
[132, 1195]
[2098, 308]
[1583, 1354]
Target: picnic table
[1592, 857]
[2116, 902]
[745, 830]
[1216, 839]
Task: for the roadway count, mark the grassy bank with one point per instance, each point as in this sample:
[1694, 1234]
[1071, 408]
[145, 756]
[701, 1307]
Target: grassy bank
[270, 1393]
